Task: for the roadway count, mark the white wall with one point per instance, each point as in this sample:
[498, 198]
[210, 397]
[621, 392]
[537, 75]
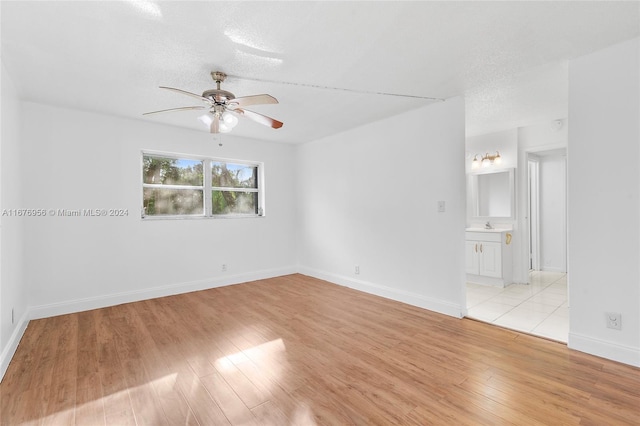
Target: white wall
[368, 197]
[81, 160]
[543, 136]
[13, 294]
[603, 195]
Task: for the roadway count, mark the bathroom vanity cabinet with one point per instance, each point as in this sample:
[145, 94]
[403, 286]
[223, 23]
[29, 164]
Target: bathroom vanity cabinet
[488, 257]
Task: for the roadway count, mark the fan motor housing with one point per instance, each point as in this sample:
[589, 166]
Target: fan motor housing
[218, 95]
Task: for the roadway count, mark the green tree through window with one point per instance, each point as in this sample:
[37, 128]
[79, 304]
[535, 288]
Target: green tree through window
[174, 186]
[235, 188]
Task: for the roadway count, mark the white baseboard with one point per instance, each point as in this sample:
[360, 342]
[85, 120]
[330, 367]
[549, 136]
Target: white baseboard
[613, 351]
[79, 305]
[409, 298]
[10, 349]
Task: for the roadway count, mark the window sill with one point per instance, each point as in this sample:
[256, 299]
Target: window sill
[218, 217]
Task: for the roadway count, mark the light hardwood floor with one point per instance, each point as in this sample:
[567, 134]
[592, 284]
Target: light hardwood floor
[297, 350]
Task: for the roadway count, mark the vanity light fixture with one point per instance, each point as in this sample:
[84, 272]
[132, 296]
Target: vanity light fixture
[486, 160]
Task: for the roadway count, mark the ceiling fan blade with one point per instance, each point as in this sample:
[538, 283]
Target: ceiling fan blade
[193, 95]
[215, 124]
[176, 109]
[259, 118]
[253, 100]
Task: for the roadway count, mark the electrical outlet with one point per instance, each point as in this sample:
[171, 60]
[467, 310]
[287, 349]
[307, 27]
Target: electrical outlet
[224, 267]
[441, 206]
[357, 269]
[614, 320]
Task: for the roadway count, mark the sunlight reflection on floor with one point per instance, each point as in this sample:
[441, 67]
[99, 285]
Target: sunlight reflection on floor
[257, 353]
[303, 415]
[93, 411]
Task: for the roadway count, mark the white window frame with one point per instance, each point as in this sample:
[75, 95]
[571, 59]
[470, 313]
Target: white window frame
[207, 187]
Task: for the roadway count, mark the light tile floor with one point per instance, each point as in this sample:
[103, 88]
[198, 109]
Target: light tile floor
[540, 308]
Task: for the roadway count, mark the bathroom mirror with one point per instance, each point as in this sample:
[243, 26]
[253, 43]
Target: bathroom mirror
[492, 193]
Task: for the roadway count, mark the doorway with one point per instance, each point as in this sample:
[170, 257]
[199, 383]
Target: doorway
[540, 307]
[547, 201]
[534, 212]
[547, 210]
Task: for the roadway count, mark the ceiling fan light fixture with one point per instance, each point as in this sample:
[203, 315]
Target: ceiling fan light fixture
[229, 119]
[224, 128]
[207, 119]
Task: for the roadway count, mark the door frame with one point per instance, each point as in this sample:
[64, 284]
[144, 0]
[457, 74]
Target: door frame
[533, 208]
[525, 245]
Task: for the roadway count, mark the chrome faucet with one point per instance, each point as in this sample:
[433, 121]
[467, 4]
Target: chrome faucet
[488, 225]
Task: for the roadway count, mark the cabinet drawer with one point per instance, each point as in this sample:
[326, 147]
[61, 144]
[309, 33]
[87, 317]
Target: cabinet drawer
[484, 236]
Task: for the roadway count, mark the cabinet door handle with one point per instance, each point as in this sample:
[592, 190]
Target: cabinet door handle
[480, 248]
[476, 247]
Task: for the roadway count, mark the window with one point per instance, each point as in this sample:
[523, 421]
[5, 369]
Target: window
[234, 188]
[175, 186]
[172, 187]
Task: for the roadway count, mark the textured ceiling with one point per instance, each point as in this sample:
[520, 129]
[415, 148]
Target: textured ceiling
[509, 59]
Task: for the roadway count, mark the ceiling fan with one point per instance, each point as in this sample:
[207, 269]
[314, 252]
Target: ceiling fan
[223, 107]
